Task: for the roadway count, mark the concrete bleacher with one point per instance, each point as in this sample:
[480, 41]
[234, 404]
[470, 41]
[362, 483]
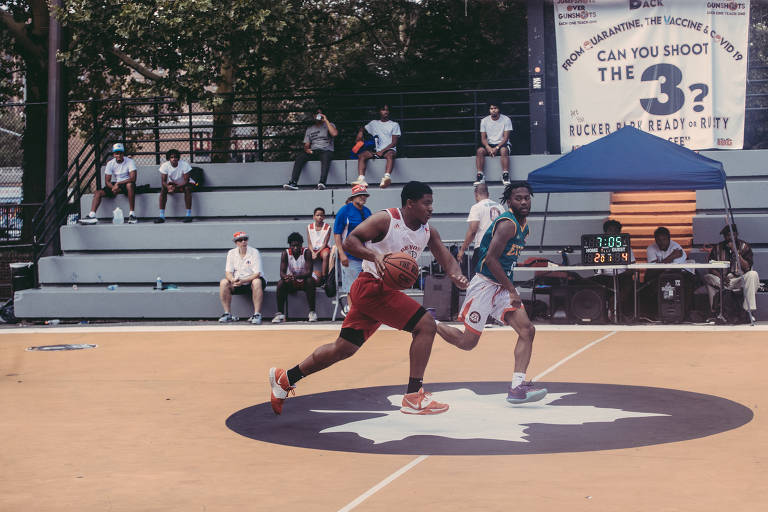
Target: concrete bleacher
[249, 197]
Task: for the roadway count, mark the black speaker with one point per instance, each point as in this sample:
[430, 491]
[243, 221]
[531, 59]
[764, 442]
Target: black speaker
[588, 305]
[577, 304]
[671, 297]
[559, 305]
[442, 296]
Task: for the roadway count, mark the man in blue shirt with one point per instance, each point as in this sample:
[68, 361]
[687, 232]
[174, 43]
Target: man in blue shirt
[347, 219]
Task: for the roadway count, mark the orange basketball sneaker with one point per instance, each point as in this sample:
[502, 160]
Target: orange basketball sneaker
[278, 381]
[422, 403]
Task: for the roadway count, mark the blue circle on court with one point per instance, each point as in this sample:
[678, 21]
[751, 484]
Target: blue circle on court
[573, 417]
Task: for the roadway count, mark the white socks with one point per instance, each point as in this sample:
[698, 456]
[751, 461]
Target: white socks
[517, 379]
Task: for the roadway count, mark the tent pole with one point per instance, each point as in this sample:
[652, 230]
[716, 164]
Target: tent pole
[544, 225]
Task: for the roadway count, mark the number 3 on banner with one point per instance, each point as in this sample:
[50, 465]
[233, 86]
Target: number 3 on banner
[675, 96]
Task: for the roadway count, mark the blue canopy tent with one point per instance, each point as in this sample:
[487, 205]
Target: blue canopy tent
[630, 159]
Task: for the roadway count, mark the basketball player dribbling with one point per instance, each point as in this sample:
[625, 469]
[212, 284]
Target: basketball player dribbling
[393, 230]
[491, 291]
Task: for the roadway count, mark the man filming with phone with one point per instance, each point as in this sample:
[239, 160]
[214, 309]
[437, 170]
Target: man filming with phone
[318, 143]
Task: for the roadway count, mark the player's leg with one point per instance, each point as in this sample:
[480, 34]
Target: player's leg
[504, 152]
[257, 295]
[521, 391]
[386, 180]
[362, 158]
[465, 340]
[476, 308]
[225, 296]
[480, 161]
[130, 191]
[309, 289]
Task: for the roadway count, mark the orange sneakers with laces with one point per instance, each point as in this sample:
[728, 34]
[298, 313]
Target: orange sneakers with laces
[422, 403]
[278, 381]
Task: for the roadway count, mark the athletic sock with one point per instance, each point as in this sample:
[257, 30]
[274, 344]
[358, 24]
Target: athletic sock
[414, 385]
[517, 379]
[162, 214]
[92, 214]
[294, 375]
[189, 213]
[131, 212]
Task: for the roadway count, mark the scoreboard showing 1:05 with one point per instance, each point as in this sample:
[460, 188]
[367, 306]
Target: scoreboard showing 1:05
[605, 249]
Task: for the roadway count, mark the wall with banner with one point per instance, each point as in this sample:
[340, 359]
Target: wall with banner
[673, 68]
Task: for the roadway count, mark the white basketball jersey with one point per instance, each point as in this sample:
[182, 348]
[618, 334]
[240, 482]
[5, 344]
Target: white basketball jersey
[295, 265]
[316, 237]
[399, 238]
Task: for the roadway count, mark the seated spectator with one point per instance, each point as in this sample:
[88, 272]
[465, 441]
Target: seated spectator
[318, 235]
[318, 143]
[347, 219]
[243, 274]
[625, 279]
[385, 134]
[664, 250]
[740, 275]
[494, 136]
[175, 174]
[295, 274]
[119, 178]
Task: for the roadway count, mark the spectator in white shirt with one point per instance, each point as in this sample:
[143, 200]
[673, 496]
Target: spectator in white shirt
[481, 216]
[175, 174]
[494, 136]
[243, 274]
[119, 178]
[385, 134]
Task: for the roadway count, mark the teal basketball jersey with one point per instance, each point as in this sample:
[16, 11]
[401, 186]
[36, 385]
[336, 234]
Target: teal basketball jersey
[511, 251]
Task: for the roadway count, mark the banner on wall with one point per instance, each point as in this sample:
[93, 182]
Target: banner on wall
[673, 68]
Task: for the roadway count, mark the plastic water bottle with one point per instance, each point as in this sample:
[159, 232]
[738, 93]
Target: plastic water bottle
[117, 216]
[158, 283]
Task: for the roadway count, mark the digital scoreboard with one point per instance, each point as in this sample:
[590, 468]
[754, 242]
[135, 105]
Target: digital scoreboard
[605, 249]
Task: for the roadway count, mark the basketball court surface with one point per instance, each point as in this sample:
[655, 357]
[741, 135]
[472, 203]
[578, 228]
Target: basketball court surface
[177, 418]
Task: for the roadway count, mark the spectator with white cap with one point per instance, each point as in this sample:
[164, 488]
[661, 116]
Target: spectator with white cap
[243, 274]
[119, 178]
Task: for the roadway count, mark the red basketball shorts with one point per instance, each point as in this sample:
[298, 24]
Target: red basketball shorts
[372, 305]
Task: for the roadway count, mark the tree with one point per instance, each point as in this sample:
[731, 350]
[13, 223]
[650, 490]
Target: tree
[24, 33]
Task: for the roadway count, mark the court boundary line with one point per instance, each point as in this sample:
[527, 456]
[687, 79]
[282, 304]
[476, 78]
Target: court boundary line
[335, 327]
[379, 486]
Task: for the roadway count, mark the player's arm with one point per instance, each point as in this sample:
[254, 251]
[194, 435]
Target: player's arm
[373, 228]
[504, 138]
[474, 225]
[446, 259]
[131, 178]
[504, 231]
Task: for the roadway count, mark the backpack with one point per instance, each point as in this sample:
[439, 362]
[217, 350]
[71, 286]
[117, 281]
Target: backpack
[196, 174]
[330, 284]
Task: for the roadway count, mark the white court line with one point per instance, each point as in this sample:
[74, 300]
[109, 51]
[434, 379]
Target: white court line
[382, 484]
[376, 488]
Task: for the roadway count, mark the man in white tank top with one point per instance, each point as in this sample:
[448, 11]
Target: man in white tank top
[318, 237]
[295, 274]
[403, 229]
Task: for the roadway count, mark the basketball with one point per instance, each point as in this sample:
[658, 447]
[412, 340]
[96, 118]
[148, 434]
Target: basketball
[401, 271]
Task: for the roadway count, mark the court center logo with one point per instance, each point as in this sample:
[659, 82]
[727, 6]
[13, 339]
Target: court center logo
[572, 418]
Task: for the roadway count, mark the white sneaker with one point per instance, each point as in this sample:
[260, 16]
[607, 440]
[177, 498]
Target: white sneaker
[385, 181]
[312, 316]
[360, 181]
[88, 220]
[279, 318]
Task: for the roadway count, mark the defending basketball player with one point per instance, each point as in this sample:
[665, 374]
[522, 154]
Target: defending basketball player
[491, 292]
[393, 230]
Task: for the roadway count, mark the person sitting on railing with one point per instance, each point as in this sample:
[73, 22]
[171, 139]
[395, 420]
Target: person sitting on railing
[318, 143]
[296, 274]
[176, 178]
[119, 178]
[385, 134]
